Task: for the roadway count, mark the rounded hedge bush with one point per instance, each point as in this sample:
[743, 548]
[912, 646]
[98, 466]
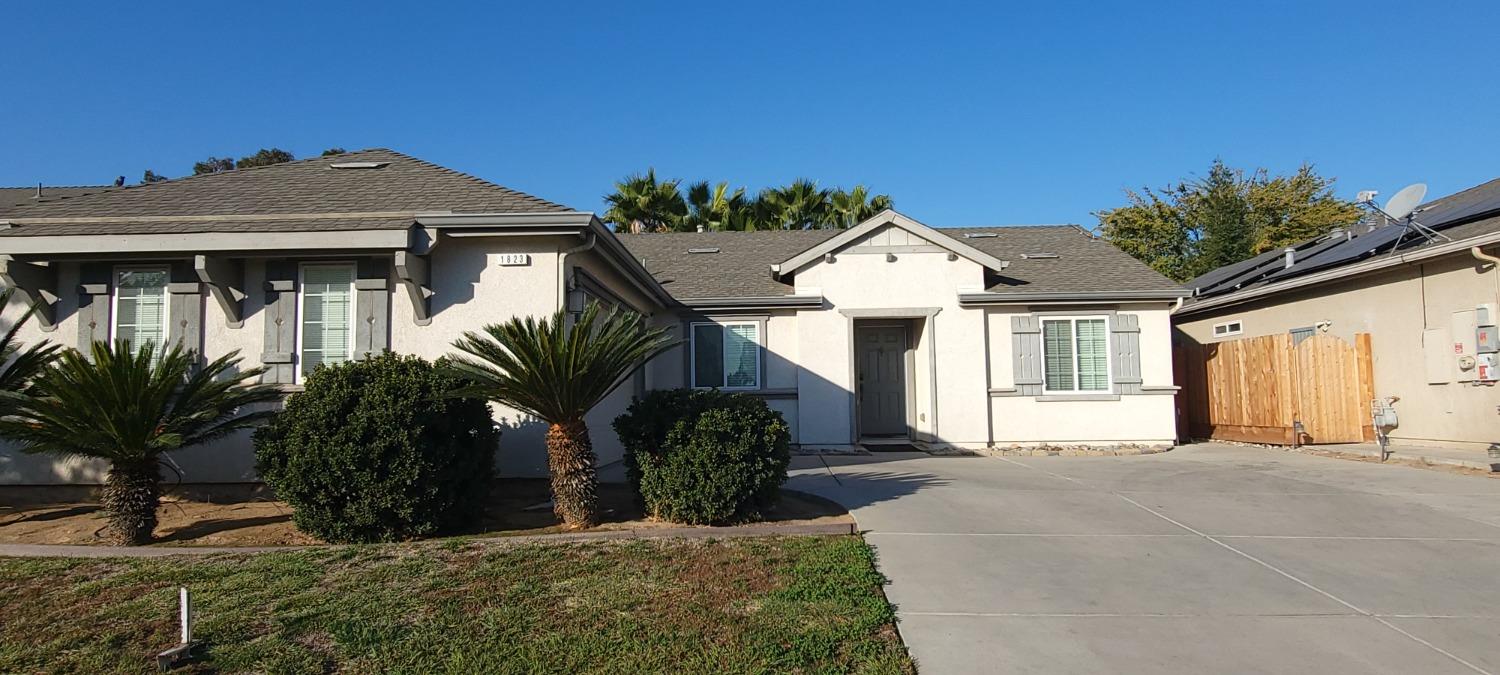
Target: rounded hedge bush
[375, 450]
[705, 457]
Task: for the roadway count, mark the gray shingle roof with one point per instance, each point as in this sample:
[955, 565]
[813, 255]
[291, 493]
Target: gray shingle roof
[1083, 262]
[11, 198]
[311, 186]
[741, 268]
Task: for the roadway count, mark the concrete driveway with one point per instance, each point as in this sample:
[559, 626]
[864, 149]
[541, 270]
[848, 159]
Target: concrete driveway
[1208, 558]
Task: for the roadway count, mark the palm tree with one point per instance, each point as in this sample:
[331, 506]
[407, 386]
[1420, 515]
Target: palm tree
[847, 209]
[129, 408]
[557, 372]
[17, 367]
[716, 208]
[642, 204]
[799, 206]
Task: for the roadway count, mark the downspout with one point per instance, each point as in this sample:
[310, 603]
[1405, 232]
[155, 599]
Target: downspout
[1479, 254]
[562, 269]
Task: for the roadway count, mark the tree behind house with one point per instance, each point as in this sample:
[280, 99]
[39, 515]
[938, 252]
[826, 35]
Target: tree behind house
[1194, 226]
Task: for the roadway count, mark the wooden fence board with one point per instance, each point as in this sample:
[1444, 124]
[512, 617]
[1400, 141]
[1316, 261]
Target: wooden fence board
[1255, 390]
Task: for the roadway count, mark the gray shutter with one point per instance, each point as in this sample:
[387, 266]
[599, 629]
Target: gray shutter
[185, 307]
[1125, 348]
[372, 307]
[94, 281]
[1026, 354]
[279, 351]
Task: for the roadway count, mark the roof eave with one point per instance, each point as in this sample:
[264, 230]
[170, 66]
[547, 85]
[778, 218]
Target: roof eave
[1367, 266]
[1032, 297]
[753, 302]
[888, 217]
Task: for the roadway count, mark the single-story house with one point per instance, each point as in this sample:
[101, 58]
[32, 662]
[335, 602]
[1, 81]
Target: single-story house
[891, 331]
[1427, 300]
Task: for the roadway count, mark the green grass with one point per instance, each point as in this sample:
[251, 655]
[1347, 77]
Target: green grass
[795, 604]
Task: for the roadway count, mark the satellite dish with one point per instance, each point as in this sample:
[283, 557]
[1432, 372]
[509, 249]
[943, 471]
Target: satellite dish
[1404, 202]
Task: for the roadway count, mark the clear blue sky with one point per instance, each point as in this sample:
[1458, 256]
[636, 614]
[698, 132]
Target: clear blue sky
[1033, 113]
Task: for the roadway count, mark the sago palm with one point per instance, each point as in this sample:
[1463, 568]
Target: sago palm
[644, 204]
[557, 372]
[129, 407]
[19, 366]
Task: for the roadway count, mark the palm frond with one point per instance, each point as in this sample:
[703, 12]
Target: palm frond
[550, 369]
[127, 404]
[17, 366]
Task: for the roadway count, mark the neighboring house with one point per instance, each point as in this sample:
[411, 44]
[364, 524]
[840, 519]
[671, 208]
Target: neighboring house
[896, 332]
[1423, 301]
[890, 331]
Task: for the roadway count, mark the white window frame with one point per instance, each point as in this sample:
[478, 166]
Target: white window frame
[1238, 328]
[1109, 364]
[297, 375]
[723, 325]
[114, 301]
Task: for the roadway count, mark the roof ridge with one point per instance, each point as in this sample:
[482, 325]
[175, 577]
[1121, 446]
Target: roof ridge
[45, 186]
[473, 178]
[111, 189]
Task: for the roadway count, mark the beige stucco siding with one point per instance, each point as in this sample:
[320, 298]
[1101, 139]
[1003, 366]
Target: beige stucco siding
[471, 289]
[1395, 307]
[1145, 418]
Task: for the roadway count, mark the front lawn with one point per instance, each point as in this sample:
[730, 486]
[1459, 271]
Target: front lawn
[794, 604]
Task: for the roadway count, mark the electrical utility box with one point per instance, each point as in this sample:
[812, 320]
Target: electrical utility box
[1487, 368]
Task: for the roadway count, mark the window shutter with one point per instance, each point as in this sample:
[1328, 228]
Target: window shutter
[372, 309]
[1026, 354]
[93, 304]
[185, 307]
[281, 322]
[1125, 345]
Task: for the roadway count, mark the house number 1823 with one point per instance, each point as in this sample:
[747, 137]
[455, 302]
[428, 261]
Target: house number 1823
[514, 259]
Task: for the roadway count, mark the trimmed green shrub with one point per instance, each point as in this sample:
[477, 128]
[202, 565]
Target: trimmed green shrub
[705, 457]
[376, 450]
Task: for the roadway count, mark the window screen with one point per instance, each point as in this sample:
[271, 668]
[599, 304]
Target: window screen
[327, 315]
[1076, 354]
[726, 355]
[140, 316]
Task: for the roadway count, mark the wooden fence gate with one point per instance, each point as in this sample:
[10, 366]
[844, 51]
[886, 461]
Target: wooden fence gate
[1256, 390]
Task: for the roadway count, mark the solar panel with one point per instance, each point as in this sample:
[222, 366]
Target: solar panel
[1353, 249]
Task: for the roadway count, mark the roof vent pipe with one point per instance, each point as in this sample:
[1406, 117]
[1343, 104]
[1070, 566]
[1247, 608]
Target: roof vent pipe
[1291, 256]
[700, 227]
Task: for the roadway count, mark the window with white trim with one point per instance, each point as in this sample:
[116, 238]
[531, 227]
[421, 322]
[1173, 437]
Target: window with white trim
[325, 315]
[1075, 355]
[726, 355]
[1228, 328]
[140, 306]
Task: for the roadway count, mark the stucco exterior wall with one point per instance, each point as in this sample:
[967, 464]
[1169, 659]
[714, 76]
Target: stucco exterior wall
[913, 283]
[471, 290]
[1395, 307]
[1145, 418]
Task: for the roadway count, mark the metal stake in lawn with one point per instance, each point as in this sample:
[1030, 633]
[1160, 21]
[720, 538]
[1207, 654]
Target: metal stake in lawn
[183, 650]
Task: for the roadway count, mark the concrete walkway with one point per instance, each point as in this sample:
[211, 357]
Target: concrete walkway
[1208, 558]
[1440, 456]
